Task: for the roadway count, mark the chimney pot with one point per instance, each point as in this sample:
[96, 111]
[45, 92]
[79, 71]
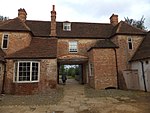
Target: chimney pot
[22, 14]
[114, 19]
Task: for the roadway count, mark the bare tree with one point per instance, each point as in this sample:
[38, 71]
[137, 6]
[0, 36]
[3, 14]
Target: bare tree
[136, 23]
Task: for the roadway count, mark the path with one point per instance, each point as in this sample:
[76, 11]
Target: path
[75, 101]
[74, 98]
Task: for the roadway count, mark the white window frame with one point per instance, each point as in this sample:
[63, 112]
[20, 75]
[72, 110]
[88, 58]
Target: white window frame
[3, 40]
[130, 41]
[73, 48]
[67, 26]
[91, 69]
[30, 81]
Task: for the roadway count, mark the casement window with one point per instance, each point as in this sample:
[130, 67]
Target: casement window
[91, 69]
[73, 47]
[130, 44]
[67, 26]
[27, 71]
[5, 41]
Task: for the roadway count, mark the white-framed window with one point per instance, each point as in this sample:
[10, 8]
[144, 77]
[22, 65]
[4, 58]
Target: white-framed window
[27, 71]
[91, 69]
[5, 41]
[67, 26]
[130, 44]
[73, 46]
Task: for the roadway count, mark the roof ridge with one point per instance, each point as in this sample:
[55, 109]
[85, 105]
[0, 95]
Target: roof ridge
[23, 23]
[69, 21]
[119, 26]
[37, 21]
[134, 26]
[6, 22]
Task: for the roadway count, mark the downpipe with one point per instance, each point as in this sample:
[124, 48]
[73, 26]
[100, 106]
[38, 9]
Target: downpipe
[4, 77]
[143, 75]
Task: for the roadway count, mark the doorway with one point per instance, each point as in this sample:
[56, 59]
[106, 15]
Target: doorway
[73, 72]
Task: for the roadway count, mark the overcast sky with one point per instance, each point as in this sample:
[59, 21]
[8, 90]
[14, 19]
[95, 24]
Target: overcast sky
[97, 11]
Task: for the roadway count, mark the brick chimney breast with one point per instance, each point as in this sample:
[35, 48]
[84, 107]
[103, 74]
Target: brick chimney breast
[22, 14]
[114, 19]
[53, 22]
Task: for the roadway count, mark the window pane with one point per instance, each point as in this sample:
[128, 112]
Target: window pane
[34, 71]
[73, 46]
[67, 26]
[5, 41]
[130, 45]
[24, 71]
[129, 39]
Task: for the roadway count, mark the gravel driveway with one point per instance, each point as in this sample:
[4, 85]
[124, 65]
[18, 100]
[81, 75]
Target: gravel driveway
[75, 98]
[50, 97]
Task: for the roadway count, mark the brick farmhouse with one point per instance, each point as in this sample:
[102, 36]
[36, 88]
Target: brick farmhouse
[32, 51]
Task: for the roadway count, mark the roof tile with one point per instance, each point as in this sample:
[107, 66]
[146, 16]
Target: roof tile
[14, 25]
[125, 28]
[143, 51]
[104, 44]
[39, 48]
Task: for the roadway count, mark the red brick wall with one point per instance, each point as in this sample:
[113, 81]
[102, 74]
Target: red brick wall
[24, 88]
[104, 65]
[83, 46]
[48, 78]
[124, 54]
[1, 75]
[17, 41]
[91, 78]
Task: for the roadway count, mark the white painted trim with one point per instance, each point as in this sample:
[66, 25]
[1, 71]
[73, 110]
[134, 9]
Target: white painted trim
[69, 47]
[31, 62]
[91, 71]
[67, 25]
[3, 40]
[130, 41]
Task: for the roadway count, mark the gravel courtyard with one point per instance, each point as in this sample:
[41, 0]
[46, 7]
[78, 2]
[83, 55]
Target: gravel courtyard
[76, 98]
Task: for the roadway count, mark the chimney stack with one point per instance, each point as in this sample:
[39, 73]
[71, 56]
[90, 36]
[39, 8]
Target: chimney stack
[53, 22]
[114, 19]
[22, 14]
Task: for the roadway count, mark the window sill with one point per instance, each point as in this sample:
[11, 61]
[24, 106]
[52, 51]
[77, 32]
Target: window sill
[73, 52]
[4, 48]
[24, 82]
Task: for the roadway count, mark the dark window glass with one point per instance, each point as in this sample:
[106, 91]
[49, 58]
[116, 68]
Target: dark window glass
[130, 45]
[5, 41]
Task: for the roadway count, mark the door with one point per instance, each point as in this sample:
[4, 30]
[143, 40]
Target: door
[148, 79]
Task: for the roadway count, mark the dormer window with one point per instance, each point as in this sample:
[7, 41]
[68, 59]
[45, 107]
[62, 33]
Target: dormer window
[5, 41]
[67, 26]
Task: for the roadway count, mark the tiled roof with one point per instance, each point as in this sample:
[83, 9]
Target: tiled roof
[14, 25]
[39, 28]
[38, 48]
[78, 29]
[85, 30]
[126, 29]
[143, 51]
[104, 44]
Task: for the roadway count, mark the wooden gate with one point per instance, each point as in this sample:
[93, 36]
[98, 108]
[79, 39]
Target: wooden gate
[131, 79]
